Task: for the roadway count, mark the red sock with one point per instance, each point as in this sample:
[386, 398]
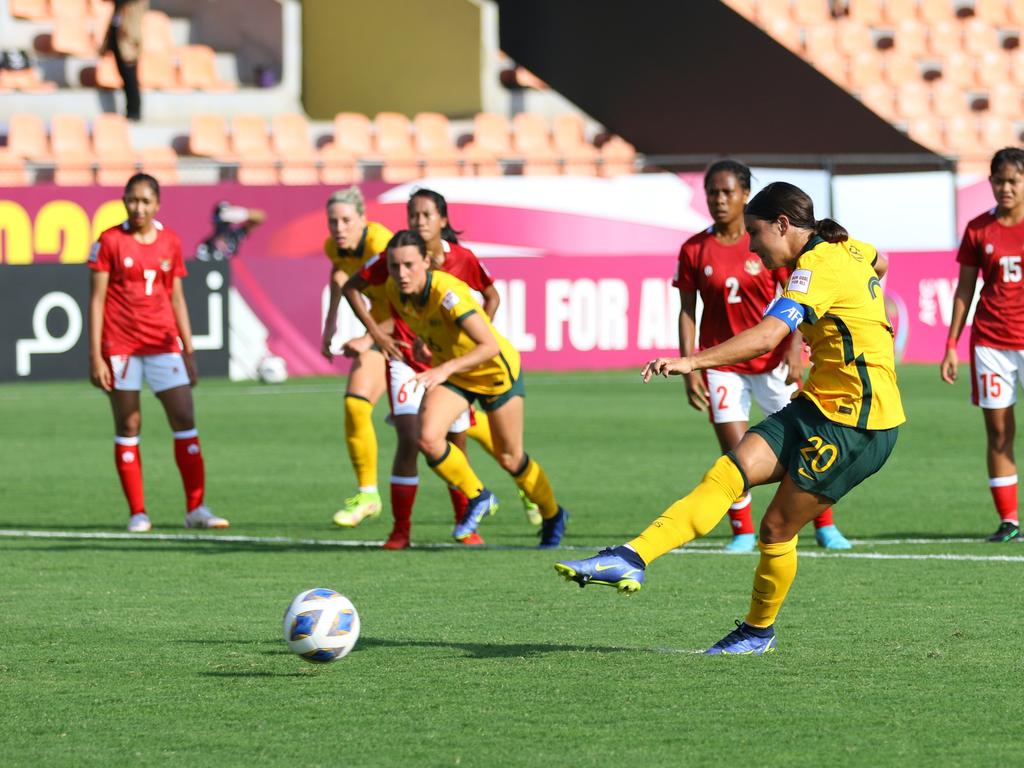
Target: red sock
[460, 502]
[128, 461]
[403, 496]
[824, 519]
[739, 516]
[1004, 494]
[189, 457]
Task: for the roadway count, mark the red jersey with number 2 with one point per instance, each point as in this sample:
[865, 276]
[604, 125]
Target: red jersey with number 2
[137, 317]
[458, 261]
[735, 288]
[996, 250]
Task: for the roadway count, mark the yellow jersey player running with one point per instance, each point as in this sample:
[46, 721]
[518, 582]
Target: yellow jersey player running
[352, 242]
[838, 431]
[473, 363]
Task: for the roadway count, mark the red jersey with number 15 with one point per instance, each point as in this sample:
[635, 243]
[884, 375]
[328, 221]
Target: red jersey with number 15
[996, 250]
[137, 317]
[735, 288]
[458, 261]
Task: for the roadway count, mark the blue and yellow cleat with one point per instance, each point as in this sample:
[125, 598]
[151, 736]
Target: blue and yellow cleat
[607, 568]
[552, 531]
[745, 640]
[486, 503]
[829, 537]
[742, 542]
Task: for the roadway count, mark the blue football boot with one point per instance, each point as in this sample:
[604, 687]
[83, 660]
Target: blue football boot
[829, 537]
[485, 503]
[552, 530]
[743, 642]
[742, 542]
[607, 568]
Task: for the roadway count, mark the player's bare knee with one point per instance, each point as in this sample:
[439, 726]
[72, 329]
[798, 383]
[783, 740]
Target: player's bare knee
[511, 462]
[433, 447]
[775, 528]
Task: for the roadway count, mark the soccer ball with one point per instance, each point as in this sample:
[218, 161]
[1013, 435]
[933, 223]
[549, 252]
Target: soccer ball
[273, 370]
[321, 625]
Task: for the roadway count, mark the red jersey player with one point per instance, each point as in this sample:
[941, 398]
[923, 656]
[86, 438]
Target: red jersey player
[735, 289]
[993, 247]
[427, 213]
[139, 329]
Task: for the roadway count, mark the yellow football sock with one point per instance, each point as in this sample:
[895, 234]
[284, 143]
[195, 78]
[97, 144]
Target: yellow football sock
[481, 432]
[454, 469]
[361, 439]
[693, 515]
[533, 481]
[774, 575]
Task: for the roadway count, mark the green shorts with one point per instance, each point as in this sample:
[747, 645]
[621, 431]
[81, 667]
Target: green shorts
[822, 456]
[491, 402]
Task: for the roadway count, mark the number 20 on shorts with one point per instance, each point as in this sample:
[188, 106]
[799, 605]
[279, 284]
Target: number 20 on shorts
[819, 455]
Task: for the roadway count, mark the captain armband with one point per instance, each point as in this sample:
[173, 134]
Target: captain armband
[788, 311]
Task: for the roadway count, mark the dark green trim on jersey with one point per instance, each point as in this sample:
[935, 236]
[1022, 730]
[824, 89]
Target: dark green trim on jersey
[849, 357]
[358, 397]
[810, 316]
[460, 318]
[813, 243]
[425, 294]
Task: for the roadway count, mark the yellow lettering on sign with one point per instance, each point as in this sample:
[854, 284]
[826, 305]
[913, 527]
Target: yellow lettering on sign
[63, 227]
[15, 233]
[108, 215]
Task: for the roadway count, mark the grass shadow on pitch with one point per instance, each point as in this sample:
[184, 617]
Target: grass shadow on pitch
[490, 650]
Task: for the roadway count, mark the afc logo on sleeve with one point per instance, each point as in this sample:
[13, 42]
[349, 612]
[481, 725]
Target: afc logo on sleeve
[799, 281]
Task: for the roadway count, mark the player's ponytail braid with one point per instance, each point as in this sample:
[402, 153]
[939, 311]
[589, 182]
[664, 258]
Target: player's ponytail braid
[781, 198]
[831, 231]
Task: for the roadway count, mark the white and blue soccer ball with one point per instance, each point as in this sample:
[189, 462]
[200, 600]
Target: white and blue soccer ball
[273, 370]
[321, 625]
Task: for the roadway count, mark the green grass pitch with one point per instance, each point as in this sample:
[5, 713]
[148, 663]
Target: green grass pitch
[168, 652]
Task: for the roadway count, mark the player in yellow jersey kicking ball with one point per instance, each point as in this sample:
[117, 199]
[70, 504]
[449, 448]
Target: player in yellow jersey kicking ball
[838, 431]
[352, 242]
[472, 363]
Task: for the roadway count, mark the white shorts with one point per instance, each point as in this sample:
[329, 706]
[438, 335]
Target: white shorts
[730, 393]
[995, 373]
[406, 398]
[162, 372]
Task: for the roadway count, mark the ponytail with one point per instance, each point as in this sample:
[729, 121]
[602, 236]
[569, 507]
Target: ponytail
[831, 231]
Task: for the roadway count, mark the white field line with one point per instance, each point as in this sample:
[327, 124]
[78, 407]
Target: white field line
[343, 543]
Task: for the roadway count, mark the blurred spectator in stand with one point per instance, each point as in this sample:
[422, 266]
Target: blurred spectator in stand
[124, 40]
[231, 225]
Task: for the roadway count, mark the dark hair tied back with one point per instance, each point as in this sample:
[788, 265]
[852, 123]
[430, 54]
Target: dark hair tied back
[831, 231]
[143, 178]
[781, 198]
[405, 237]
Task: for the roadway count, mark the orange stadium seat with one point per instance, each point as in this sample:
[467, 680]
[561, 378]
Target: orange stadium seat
[853, 37]
[199, 69]
[979, 36]
[72, 36]
[1005, 99]
[289, 136]
[901, 69]
[785, 32]
[161, 162]
[910, 38]
[72, 150]
[958, 67]
[251, 144]
[834, 66]
[943, 37]
[1017, 66]
[767, 10]
[879, 98]
[393, 134]
[568, 135]
[997, 131]
[352, 134]
[807, 12]
[157, 33]
[71, 9]
[156, 71]
[432, 140]
[961, 134]
[208, 137]
[617, 156]
[107, 75]
[927, 131]
[400, 167]
[112, 146]
[743, 7]
[948, 99]
[338, 167]
[34, 10]
[1016, 12]
[913, 100]
[935, 11]
[820, 40]
[28, 80]
[530, 138]
[258, 171]
[991, 11]
[992, 67]
[13, 172]
[867, 12]
[491, 141]
[26, 137]
[866, 67]
[899, 10]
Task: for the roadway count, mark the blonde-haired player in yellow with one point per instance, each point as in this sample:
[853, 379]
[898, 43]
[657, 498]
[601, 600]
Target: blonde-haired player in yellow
[352, 242]
[472, 363]
[838, 430]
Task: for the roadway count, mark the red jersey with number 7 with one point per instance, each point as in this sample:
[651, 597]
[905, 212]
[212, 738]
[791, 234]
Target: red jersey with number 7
[458, 261]
[735, 288]
[137, 317]
[996, 250]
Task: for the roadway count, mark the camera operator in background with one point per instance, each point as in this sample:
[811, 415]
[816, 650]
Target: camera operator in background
[231, 225]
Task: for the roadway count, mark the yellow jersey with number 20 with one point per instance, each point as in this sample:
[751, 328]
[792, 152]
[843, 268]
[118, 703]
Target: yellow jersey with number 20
[853, 365]
[436, 316]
